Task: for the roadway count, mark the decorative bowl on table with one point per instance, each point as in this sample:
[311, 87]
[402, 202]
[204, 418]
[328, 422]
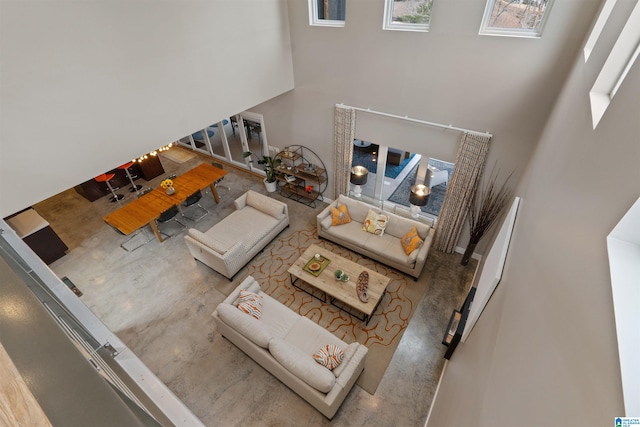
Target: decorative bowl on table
[315, 266]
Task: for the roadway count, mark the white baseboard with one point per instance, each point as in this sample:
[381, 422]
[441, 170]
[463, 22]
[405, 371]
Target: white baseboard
[444, 369]
[460, 250]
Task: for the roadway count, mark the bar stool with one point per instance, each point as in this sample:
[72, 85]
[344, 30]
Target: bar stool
[106, 177]
[134, 187]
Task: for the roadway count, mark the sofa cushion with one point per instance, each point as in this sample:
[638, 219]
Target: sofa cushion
[411, 241]
[250, 303]
[330, 356]
[309, 336]
[390, 247]
[265, 204]
[209, 241]
[252, 328]
[399, 226]
[249, 223]
[423, 231]
[375, 222]
[357, 210]
[277, 317]
[340, 215]
[351, 233]
[302, 365]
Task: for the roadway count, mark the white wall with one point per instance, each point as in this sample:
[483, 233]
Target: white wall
[450, 75]
[544, 351]
[87, 86]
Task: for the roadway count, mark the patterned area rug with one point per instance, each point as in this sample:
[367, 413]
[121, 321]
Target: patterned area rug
[383, 333]
[178, 154]
[401, 194]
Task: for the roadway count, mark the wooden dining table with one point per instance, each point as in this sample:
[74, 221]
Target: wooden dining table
[146, 209]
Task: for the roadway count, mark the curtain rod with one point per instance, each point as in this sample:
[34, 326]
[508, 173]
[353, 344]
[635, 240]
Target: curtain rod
[450, 127]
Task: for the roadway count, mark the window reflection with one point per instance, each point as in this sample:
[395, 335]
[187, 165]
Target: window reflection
[393, 171]
[331, 9]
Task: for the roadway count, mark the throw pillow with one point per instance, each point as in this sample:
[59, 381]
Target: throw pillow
[375, 222]
[411, 241]
[250, 303]
[330, 356]
[340, 215]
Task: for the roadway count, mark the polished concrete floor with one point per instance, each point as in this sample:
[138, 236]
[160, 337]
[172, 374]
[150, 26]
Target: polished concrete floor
[159, 301]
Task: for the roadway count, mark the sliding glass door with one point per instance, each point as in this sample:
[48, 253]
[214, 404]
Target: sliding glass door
[230, 138]
[392, 172]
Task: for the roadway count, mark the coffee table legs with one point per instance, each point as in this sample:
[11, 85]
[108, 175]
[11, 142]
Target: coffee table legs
[293, 283]
[365, 318]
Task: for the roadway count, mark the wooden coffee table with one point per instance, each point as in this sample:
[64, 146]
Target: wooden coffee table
[333, 290]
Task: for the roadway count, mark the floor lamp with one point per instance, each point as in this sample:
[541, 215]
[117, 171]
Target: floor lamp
[419, 197]
[358, 177]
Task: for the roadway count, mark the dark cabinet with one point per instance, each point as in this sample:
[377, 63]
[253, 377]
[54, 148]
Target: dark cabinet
[150, 168]
[38, 235]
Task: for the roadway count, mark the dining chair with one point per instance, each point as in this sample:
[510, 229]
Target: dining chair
[167, 217]
[135, 240]
[192, 204]
[218, 182]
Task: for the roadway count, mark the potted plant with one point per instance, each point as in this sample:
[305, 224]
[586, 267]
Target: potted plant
[271, 174]
[485, 208]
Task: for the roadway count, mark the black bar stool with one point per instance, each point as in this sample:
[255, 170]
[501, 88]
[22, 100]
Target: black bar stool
[134, 187]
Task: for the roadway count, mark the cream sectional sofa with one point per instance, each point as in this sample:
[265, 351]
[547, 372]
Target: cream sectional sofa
[283, 342]
[231, 243]
[385, 248]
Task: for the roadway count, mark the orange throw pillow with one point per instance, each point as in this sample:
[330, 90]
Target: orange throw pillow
[340, 215]
[330, 356]
[411, 241]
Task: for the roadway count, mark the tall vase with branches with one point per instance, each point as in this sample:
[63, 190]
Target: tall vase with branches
[485, 208]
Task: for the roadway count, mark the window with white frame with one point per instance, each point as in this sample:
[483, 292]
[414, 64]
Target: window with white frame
[515, 18]
[328, 13]
[623, 55]
[603, 16]
[407, 15]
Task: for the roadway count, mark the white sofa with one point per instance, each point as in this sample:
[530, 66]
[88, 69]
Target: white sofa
[386, 248]
[231, 243]
[283, 342]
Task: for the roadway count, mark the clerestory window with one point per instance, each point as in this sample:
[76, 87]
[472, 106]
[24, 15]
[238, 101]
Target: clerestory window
[622, 57]
[407, 15]
[515, 18]
[328, 13]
